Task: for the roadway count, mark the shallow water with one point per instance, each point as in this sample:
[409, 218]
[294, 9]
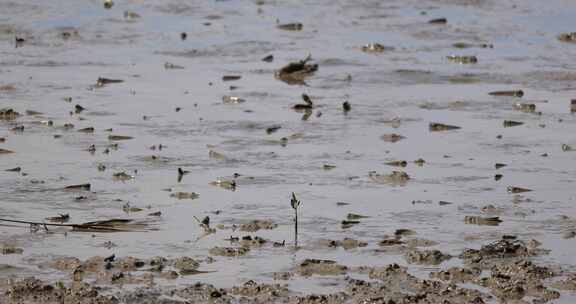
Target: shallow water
[414, 82]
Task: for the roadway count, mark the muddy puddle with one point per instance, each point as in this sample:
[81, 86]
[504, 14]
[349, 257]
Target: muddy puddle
[430, 144]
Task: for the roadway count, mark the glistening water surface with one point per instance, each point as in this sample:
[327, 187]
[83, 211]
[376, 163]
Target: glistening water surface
[70, 44]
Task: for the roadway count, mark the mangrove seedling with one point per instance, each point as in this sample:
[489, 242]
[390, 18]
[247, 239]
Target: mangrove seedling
[295, 203]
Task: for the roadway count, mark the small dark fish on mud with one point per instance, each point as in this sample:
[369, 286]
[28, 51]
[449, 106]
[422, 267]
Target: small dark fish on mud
[9, 114]
[290, 26]
[17, 169]
[420, 162]
[435, 126]
[498, 177]
[129, 15]
[308, 105]
[478, 220]
[19, 42]
[525, 107]
[171, 66]
[10, 249]
[268, 58]
[78, 109]
[512, 123]
[226, 184]
[375, 48]
[87, 130]
[108, 4]
[61, 218]
[394, 178]
[403, 232]
[232, 99]
[345, 224]
[573, 105]
[231, 77]
[464, 45]
[272, 129]
[438, 21]
[216, 155]
[328, 167]
[397, 163]
[104, 81]
[295, 72]
[119, 137]
[512, 189]
[346, 107]
[185, 195]
[18, 129]
[499, 165]
[414, 202]
[354, 216]
[392, 137]
[513, 93]
[462, 59]
[33, 113]
[122, 176]
[85, 187]
[567, 37]
[183, 36]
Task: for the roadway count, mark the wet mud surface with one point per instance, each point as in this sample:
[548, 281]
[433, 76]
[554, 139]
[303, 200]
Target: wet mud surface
[149, 151]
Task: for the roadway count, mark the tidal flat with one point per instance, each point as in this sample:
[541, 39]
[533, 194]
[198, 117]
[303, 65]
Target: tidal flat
[158, 151]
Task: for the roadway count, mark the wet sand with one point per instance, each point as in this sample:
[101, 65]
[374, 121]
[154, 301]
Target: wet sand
[400, 90]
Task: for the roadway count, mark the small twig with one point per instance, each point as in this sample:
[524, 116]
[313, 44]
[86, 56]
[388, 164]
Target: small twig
[37, 223]
[93, 226]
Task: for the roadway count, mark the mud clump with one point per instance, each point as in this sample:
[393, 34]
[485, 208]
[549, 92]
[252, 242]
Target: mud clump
[264, 292]
[66, 263]
[256, 225]
[396, 285]
[568, 283]
[31, 290]
[202, 293]
[114, 271]
[504, 248]
[389, 272]
[456, 274]
[420, 243]
[322, 299]
[514, 281]
[427, 257]
[320, 267]
[229, 251]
